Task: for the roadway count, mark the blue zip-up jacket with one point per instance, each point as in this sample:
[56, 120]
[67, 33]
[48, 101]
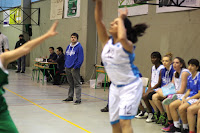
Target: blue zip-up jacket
[74, 56]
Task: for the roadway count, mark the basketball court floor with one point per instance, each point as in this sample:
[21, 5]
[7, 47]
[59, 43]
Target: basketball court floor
[37, 108]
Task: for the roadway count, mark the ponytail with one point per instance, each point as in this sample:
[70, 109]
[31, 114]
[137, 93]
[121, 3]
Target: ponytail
[134, 32]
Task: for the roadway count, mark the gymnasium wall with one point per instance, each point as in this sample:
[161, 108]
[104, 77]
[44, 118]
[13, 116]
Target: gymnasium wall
[176, 32]
[84, 26]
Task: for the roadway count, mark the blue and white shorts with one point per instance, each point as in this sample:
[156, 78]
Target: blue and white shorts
[124, 101]
[191, 101]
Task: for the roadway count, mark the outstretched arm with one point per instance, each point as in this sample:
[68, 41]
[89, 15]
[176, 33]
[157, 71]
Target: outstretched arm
[127, 45]
[101, 29]
[10, 56]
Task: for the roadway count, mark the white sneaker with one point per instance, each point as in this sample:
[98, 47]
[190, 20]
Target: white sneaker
[150, 118]
[145, 115]
[141, 115]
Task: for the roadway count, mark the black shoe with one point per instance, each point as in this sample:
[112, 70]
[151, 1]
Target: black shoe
[105, 109]
[77, 102]
[22, 72]
[174, 129]
[185, 131]
[49, 79]
[56, 84]
[68, 99]
[17, 71]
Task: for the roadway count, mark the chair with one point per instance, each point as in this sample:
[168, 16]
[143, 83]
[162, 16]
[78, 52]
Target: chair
[63, 77]
[145, 81]
[34, 71]
[100, 69]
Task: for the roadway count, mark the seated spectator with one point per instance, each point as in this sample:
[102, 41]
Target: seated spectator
[180, 82]
[192, 111]
[60, 66]
[52, 56]
[154, 84]
[190, 97]
[165, 77]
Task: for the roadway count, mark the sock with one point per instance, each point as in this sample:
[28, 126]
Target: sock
[192, 132]
[177, 124]
[170, 121]
[163, 113]
[185, 126]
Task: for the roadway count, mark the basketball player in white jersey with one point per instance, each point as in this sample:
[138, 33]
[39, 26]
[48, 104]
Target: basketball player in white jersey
[118, 56]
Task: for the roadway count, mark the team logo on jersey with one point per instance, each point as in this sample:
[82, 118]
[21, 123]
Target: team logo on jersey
[70, 53]
[166, 80]
[110, 53]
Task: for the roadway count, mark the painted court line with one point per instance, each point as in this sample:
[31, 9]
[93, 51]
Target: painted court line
[48, 111]
[81, 93]
[45, 99]
[62, 99]
[33, 104]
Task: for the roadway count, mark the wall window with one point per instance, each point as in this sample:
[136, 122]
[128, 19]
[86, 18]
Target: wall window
[5, 4]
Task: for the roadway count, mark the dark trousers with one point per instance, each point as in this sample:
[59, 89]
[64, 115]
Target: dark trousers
[73, 78]
[57, 77]
[21, 63]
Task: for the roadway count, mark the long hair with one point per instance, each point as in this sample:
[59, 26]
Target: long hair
[134, 32]
[183, 66]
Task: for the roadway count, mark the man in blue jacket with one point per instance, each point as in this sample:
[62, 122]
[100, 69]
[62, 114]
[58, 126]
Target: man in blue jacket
[73, 60]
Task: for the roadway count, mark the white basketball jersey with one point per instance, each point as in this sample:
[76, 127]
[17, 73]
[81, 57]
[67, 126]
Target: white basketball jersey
[155, 74]
[177, 81]
[118, 64]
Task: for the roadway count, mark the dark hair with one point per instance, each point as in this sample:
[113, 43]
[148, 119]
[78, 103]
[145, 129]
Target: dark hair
[21, 35]
[183, 66]
[157, 55]
[52, 48]
[134, 32]
[60, 49]
[75, 34]
[194, 62]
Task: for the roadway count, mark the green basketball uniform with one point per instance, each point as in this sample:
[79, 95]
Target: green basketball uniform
[6, 123]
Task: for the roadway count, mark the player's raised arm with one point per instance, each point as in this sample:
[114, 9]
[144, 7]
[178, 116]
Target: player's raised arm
[101, 29]
[127, 45]
[10, 56]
